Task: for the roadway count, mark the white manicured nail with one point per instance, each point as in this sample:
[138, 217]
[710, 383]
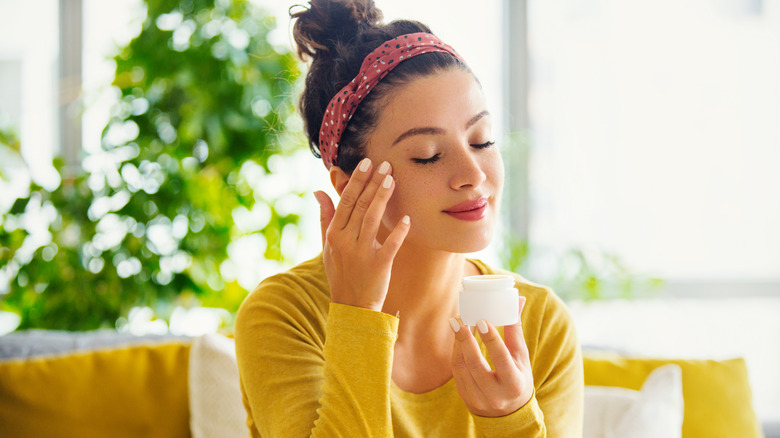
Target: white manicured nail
[387, 182]
[405, 220]
[364, 164]
[454, 324]
[384, 167]
[482, 326]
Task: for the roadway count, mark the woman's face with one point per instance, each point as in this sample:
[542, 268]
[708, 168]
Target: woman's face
[436, 134]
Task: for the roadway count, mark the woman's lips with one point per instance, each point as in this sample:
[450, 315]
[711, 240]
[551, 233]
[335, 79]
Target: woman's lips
[469, 210]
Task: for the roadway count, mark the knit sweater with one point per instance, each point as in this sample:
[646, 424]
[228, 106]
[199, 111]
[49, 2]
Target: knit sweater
[309, 367]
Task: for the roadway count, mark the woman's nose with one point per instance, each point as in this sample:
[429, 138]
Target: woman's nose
[467, 169]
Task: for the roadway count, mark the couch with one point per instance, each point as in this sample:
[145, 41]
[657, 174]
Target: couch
[100, 384]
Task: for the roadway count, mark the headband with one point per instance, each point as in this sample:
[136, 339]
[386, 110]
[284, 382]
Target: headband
[375, 67]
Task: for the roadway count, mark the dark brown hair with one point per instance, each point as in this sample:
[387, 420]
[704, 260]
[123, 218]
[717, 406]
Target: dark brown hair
[337, 35]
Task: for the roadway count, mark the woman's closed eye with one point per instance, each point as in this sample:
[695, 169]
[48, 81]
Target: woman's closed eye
[430, 160]
[483, 145]
[436, 157]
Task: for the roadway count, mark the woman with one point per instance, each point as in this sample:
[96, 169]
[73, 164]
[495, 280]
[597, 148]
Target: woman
[364, 340]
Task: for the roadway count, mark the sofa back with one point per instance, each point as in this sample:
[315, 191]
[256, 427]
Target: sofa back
[135, 390]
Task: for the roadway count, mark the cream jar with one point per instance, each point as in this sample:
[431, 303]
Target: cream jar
[489, 297]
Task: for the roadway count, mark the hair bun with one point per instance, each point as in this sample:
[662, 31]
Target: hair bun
[324, 24]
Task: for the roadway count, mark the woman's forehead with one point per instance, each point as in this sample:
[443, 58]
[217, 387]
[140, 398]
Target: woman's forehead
[443, 100]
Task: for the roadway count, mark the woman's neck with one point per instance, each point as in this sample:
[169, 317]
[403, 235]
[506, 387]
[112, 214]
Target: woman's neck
[424, 289]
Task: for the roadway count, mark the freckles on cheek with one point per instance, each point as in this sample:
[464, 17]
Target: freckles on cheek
[411, 198]
[414, 191]
[398, 205]
[393, 210]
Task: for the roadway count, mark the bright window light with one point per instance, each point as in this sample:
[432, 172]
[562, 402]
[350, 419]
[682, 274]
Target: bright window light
[655, 136]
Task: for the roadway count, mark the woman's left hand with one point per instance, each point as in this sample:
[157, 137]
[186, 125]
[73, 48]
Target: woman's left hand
[486, 392]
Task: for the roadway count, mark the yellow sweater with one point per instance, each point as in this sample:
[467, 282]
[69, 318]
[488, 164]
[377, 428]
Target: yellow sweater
[312, 368]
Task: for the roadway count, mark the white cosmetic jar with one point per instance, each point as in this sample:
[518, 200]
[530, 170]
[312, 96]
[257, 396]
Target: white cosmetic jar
[489, 297]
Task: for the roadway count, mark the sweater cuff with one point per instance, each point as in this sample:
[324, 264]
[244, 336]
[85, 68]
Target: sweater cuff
[527, 421]
[361, 323]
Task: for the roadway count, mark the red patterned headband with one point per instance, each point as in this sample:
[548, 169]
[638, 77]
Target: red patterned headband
[375, 67]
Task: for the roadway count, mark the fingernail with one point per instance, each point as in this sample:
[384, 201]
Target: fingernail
[405, 220]
[384, 167]
[364, 164]
[482, 326]
[387, 182]
[454, 324]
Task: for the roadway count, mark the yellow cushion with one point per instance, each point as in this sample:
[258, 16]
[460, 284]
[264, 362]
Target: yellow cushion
[135, 391]
[716, 394]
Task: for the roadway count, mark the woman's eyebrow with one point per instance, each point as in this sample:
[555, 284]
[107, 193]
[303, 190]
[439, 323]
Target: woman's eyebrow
[430, 130]
[418, 131]
[476, 118]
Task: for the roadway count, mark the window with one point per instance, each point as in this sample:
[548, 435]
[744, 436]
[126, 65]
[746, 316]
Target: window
[28, 72]
[654, 133]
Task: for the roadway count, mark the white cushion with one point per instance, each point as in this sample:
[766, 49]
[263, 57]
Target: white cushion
[216, 409]
[655, 411]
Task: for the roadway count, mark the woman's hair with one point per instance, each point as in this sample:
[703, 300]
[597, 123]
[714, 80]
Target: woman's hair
[337, 35]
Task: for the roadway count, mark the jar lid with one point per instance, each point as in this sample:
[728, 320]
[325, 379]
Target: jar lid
[488, 282]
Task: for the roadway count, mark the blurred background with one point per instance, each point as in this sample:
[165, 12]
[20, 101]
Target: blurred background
[153, 168]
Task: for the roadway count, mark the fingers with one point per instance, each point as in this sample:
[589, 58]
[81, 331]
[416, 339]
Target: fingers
[326, 212]
[470, 359]
[370, 206]
[363, 200]
[395, 239]
[514, 339]
[465, 383]
[361, 209]
[497, 349]
[351, 194]
[491, 393]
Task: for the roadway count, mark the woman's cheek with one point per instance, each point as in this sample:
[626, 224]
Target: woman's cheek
[499, 169]
[400, 203]
[393, 210]
[499, 181]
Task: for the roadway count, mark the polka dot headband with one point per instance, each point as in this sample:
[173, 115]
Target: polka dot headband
[375, 67]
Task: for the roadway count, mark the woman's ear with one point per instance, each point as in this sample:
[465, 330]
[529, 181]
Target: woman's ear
[339, 179]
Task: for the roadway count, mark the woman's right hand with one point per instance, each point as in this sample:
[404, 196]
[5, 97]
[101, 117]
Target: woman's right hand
[357, 264]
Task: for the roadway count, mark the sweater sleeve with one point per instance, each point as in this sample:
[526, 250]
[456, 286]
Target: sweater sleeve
[298, 383]
[557, 369]
[526, 422]
[356, 389]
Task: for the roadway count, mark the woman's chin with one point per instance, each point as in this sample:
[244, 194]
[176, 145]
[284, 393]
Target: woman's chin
[475, 247]
[467, 244]
[473, 238]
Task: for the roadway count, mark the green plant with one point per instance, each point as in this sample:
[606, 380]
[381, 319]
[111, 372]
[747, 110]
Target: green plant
[181, 176]
[576, 273]
[11, 238]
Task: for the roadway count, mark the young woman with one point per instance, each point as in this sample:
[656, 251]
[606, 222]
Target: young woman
[364, 340]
